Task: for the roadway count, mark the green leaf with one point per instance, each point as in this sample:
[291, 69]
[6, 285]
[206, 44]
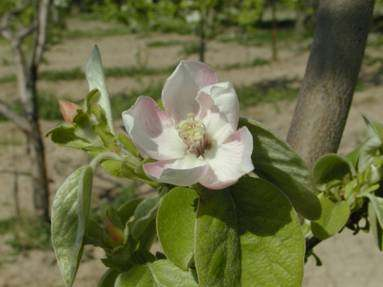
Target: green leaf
[70, 213]
[272, 243]
[161, 273]
[138, 276]
[126, 210]
[108, 278]
[217, 248]
[144, 215]
[175, 225]
[128, 144]
[331, 167]
[117, 168]
[371, 147]
[377, 205]
[96, 80]
[333, 218]
[375, 227]
[276, 162]
[65, 134]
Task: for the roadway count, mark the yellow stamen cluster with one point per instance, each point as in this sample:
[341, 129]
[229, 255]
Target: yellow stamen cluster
[193, 134]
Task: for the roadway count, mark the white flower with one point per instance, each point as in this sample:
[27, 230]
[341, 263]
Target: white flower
[195, 140]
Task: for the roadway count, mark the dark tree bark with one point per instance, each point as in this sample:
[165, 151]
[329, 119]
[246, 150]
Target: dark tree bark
[331, 76]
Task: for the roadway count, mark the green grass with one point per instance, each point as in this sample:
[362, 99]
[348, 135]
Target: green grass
[78, 74]
[190, 48]
[266, 92]
[261, 37]
[250, 64]
[162, 43]
[95, 33]
[26, 233]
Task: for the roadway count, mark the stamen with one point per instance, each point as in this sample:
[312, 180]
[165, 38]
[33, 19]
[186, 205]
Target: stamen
[193, 134]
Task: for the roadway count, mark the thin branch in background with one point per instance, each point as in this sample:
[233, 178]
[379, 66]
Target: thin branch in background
[18, 120]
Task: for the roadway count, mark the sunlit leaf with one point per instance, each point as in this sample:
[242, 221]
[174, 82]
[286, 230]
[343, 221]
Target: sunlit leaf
[333, 218]
[70, 213]
[175, 225]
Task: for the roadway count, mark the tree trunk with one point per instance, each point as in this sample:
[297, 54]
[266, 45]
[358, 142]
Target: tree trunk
[38, 160]
[331, 76]
[274, 31]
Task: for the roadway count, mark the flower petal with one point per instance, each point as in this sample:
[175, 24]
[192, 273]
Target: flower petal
[181, 88]
[229, 161]
[220, 96]
[217, 127]
[152, 131]
[182, 172]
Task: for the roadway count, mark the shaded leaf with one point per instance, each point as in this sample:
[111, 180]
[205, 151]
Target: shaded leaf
[375, 227]
[160, 273]
[377, 205]
[108, 278]
[272, 243]
[143, 216]
[275, 161]
[217, 248]
[331, 167]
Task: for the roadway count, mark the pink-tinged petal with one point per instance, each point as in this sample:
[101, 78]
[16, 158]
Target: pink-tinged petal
[68, 110]
[182, 172]
[229, 161]
[221, 97]
[181, 88]
[217, 127]
[152, 131]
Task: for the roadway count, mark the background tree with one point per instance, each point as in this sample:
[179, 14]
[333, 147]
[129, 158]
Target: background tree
[331, 75]
[24, 24]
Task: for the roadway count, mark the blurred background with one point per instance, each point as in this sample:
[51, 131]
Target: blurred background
[261, 46]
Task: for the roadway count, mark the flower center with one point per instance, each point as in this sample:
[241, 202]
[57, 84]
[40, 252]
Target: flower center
[193, 134]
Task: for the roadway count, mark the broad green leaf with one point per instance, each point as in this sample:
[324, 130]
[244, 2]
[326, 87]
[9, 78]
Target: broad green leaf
[217, 248]
[375, 227]
[377, 205]
[70, 213]
[144, 215]
[175, 225]
[333, 218]
[96, 80]
[161, 273]
[331, 167]
[272, 243]
[108, 278]
[276, 162]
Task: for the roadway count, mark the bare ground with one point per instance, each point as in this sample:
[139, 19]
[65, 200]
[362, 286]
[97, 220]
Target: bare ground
[348, 260]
